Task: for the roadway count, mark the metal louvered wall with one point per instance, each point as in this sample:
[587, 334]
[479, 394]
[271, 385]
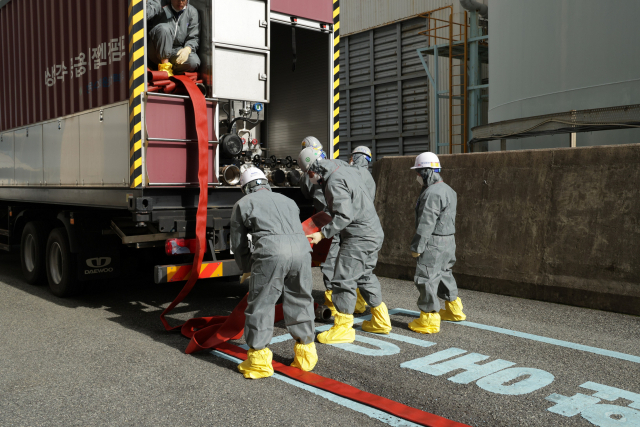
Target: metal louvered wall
[384, 98]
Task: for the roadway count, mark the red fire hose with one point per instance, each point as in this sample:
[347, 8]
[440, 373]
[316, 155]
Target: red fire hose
[214, 332]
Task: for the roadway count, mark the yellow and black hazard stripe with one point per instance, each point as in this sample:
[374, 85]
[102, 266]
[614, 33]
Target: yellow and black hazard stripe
[336, 78]
[136, 87]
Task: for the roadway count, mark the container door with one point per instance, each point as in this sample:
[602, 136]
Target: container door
[240, 52]
[241, 23]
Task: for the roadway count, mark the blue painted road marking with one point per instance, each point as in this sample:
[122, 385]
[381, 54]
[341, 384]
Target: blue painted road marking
[384, 348]
[473, 372]
[535, 380]
[350, 404]
[560, 343]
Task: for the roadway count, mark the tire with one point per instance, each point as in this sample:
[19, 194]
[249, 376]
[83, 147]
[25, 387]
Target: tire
[61, 265]
[32, 252]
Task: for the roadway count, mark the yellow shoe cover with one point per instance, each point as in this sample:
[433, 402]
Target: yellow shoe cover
[453, 311]
[428, 323]
[361, 305]
[258, 364]
[329, 303]
[380, 322]
[305, 357]
[168, 67]
[341, 332]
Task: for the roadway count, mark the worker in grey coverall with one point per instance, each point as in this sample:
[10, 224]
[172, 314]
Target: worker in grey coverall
[315, 193]
[353, 217]
[280, 264]
[174, 35]
[434, 245]
[360, 159]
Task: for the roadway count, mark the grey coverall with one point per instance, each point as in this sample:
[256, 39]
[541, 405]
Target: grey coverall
[170, 31]
[280, 263]
[361, 163]
[355, 219]
[314, 192]
[435, 241]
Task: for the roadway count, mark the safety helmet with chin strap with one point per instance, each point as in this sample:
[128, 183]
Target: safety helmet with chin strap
[427, 160]
[308, 157]
[362, 150]
[252, 177]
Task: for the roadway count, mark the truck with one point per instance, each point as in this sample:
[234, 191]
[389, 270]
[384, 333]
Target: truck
[99, 162]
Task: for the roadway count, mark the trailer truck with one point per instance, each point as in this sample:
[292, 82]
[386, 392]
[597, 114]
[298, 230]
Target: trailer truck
[99, 163]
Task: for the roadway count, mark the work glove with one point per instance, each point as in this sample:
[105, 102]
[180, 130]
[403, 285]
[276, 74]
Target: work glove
[415, 254]
[316, 237]
[244, 277]
[183, 54]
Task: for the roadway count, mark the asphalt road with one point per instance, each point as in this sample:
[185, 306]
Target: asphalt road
[104, 359]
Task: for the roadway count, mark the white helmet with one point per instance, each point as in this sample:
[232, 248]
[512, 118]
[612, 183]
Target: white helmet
[250, 175]
[362, 150]
[311, 141]
[427, 160]
[309, 156]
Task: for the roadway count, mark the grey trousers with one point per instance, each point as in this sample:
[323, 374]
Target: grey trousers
[354, 269]
[433, 277]
[281, 265]
[329, 266]
[161, 47]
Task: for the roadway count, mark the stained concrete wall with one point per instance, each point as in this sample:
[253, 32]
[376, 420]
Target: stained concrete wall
[559, 225]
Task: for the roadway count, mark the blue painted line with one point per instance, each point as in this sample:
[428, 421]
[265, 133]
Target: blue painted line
[356, 321]
[349, 404]
[401, 338]
[553, 341]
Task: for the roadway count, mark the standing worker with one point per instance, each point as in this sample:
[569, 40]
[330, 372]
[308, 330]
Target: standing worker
[174, 35]
[280, 263]
[314, 192]
[355, 219]
[360, 159]
[434, 245]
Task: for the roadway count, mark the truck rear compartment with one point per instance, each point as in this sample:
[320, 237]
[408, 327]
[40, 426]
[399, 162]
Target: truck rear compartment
[66, 168]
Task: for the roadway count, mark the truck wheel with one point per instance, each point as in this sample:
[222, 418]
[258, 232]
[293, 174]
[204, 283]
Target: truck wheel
[32, 252]
[61, 265]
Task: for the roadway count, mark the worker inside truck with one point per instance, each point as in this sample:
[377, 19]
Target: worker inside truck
[174, 32]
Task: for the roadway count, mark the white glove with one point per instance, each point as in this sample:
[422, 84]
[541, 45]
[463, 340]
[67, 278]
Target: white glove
[183, 54]
[244, 277]
[415, 254]
[316, 237]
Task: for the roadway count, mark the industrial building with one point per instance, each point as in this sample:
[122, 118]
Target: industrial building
[543, 74]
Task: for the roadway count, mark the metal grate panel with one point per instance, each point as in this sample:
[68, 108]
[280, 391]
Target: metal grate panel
[384, 99]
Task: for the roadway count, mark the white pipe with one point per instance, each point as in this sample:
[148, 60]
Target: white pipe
[474, 6]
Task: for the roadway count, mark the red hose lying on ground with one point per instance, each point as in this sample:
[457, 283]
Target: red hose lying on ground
[214, 332]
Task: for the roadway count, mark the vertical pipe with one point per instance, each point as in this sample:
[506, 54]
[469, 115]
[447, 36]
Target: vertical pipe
[437, 97]
[474, 74]
[466, 84]
[451, 82]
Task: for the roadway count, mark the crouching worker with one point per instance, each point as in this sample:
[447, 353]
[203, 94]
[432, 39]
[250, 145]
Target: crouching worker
[354, 217]
[434, 245]
[174, 32]
[280, 264]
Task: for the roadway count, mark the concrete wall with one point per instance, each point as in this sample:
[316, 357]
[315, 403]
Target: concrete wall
[560, 225]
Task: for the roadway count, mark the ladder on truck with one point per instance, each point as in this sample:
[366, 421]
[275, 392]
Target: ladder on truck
[458, 43]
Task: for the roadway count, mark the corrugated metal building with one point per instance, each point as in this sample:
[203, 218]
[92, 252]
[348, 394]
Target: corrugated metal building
[385, 99]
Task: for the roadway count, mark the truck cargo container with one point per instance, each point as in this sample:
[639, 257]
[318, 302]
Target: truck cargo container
[96, 161]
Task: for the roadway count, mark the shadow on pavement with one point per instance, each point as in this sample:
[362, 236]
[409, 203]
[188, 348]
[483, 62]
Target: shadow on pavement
[138, 302]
